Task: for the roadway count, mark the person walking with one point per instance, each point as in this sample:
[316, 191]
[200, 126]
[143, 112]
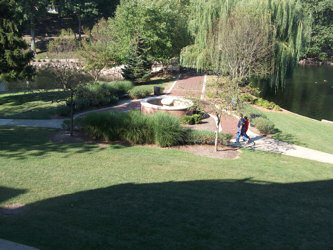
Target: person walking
[246, 127]
[242, 127]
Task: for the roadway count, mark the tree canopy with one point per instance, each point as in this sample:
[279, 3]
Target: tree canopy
[290, 32]
[162, 25]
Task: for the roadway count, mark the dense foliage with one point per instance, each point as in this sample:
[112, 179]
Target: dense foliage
[13, 58]
[162, 25]
[322, 28]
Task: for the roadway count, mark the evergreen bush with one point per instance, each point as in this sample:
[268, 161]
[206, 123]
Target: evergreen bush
[137, 64]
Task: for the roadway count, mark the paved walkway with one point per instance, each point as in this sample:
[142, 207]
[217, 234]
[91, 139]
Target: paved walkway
[9, 245]
[194, 86]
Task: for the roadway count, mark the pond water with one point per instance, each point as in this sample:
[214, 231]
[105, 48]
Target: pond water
[308, 92]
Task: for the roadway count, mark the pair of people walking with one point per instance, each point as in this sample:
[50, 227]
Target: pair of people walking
[242, 127]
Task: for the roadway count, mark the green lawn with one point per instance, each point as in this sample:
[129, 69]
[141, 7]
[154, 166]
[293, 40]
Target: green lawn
[30, 105]
[303, 131]
[81, 196]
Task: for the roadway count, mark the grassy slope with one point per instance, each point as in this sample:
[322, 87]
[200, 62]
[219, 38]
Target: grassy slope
[303, 131]
[82, 196]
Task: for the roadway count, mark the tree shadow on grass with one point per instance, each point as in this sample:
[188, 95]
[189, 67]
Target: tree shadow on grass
[289, 138]
[210, 214]
[8, 193]
[23, 142]
[24, 97]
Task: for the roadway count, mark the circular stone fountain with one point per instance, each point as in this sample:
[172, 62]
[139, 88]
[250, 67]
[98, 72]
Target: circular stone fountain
[174, 105]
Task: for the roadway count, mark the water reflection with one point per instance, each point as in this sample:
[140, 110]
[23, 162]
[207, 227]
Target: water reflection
[308, 92]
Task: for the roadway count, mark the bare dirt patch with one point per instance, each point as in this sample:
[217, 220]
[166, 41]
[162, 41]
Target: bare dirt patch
[209, 151]
[224, 152]
[65, 137]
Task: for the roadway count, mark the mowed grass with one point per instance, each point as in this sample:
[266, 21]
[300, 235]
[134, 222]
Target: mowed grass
[303, 131]
[82, 196]
[30, 105]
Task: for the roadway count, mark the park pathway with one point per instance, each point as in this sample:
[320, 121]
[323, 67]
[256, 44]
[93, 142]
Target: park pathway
[194, 86]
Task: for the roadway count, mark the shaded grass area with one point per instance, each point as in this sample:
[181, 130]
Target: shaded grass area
[302, 131]
[30, 105]
[81, 196]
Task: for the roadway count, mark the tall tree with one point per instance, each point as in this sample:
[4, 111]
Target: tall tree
[241, 44]
[162, 25]
[137, 65]
[32, 10]
[14, 61]
[99, 52]
[287, 17]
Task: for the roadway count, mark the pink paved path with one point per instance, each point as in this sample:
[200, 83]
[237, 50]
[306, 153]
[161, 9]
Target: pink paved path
[188, 86]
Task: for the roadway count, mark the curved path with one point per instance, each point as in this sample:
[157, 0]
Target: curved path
[194, 86]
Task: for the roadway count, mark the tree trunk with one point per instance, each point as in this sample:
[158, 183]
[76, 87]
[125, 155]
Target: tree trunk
[79, 20]
[32, 33]
[217, 133]
[72, 114]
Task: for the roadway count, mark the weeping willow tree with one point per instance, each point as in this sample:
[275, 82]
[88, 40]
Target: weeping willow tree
[287, 24]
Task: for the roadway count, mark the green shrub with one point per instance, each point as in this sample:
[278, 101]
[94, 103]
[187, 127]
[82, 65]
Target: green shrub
[140, 129]
[45, 80]
[100, 93]
[276, 107]
[140, 92]
[264, 125]
[64, 110]
[191, 119]
[322, 56]
[264, 103]
[206, 137]
[247, 98]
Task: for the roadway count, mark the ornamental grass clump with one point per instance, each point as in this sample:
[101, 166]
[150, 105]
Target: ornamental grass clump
[167, 130]
[140, 129]
[134, 127]
[106, 125]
